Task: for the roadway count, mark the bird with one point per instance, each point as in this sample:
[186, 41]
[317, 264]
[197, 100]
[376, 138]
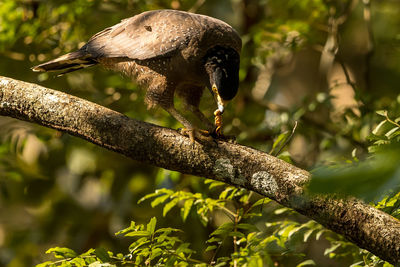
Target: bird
[167, 52]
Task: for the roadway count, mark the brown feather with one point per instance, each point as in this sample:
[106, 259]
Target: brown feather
[67, 63]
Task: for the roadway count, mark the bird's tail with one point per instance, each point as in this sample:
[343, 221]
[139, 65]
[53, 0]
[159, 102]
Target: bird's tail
[70, 62]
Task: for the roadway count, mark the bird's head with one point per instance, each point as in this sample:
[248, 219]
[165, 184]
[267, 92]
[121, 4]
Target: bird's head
[222, 67]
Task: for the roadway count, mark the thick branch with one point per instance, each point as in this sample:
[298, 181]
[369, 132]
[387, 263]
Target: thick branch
[234, 164]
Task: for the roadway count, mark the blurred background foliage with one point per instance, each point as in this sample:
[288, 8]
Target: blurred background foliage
[319, 88]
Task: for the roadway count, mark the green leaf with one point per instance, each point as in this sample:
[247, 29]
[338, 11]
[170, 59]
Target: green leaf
[138, 233]
[358, 264]
[184, 248]
[213, 183]
[90, 260]
[392, 133]
[156, 193]
[141, 242]
[102, 254]
[331, 249]
[78, 262]
[128, 229]
[377, 128]
[99, 264]
[45, 264]
[282, 210]
[294, 231]
[89, 252]
[223, 229]
[373, 137]
[147, 197]
[279, 142]
[306, 263]
[261, 201]
[257, 260]
[285, 156]
[284, 232]
[210, 248]
[186, 209]
[151, 226]
[307, 235]
[159, 200]
[319, 234]
[156, 253]
[382, 112]
[169, 206]
[251, 237]
[214, 239]
[237, 234]
[225, 193]
[62, 253]
[271, 239]
[167, 230]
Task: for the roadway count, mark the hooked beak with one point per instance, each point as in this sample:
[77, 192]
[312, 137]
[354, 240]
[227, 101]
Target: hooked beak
[221, 103]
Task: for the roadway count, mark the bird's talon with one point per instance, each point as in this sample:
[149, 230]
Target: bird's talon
[204, 132]
[195, 134]
[189, 133]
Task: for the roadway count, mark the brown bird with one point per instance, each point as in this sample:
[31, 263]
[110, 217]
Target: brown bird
[167, 52]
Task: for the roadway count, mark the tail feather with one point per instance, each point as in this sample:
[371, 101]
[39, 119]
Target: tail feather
[70, 62]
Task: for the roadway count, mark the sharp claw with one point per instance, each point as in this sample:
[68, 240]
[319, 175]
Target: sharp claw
[194, 134]
[203, 132]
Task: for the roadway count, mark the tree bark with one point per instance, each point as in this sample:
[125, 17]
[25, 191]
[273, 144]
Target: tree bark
[234, 164]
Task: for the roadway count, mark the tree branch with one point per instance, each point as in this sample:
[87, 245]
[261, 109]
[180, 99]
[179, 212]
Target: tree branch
[234, 164]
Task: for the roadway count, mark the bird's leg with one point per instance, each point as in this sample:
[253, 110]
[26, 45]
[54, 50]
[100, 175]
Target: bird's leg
[196, 111]
[189, 129]
[214, 131]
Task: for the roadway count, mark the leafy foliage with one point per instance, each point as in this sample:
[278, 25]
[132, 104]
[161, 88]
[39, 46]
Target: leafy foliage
[242, 236]
[152, 247]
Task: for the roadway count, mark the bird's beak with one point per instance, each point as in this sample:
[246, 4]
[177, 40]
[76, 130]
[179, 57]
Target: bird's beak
[221, 103]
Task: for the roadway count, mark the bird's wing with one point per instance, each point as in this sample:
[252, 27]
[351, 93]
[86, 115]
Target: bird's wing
[153, 34]
[147, 35]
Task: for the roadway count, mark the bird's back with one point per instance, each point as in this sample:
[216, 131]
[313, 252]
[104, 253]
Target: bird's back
[160, 33]
[150, 35]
